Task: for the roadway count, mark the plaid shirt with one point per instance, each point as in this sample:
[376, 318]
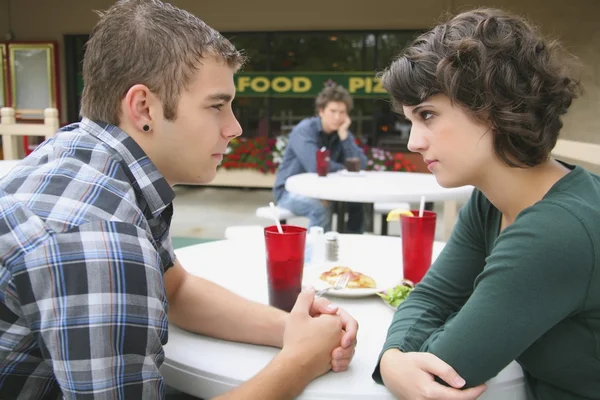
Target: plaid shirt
[84, 244]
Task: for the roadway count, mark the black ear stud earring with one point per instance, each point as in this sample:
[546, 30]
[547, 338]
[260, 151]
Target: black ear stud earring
[146, 128]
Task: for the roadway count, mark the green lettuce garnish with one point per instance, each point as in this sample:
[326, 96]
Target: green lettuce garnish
[397, 294]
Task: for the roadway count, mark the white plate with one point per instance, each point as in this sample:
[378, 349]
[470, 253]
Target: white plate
[311, 277]
[353, 174]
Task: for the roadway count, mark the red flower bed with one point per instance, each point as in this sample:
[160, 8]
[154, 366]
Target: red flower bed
[265, 154]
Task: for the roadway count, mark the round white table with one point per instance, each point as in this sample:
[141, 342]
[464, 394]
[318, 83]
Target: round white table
[6, 166]
[207, 367]
[380, 186]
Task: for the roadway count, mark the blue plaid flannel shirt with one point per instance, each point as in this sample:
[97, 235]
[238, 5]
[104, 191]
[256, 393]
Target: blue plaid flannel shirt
[84, 244]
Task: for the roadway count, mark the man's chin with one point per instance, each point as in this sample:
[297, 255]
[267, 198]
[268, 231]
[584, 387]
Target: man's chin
[203, 179]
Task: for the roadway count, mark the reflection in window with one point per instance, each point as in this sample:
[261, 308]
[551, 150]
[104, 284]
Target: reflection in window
[329, 51]
[362, 118]
[287, 112]
[370, 45]
[255, 47]
[390, 45]
[251, 112]
[391, 130]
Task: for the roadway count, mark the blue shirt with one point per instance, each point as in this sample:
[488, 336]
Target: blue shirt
[84, 244]
[301, 152]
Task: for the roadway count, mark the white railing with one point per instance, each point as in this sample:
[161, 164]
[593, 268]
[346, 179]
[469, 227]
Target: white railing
[10, 130]
[579, 151]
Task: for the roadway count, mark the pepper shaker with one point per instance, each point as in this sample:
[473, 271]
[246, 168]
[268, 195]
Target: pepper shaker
[331, 247]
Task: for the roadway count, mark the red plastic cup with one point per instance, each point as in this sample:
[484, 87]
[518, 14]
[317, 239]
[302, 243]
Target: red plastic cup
[323, 157]
[285, 263]
[417, 244]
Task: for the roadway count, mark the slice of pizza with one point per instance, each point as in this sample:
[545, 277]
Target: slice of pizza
[357, 280]
[334, 273]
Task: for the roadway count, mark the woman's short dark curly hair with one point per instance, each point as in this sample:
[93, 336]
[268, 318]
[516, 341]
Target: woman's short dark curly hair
[497, 67]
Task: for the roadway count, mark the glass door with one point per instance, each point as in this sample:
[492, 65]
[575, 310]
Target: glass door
[33, 85]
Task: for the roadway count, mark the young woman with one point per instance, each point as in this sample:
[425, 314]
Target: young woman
[519, 277]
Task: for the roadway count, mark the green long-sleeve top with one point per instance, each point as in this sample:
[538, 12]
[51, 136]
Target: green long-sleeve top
[530, 293]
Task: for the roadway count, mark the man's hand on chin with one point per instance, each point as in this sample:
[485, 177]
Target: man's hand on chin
[343, 129]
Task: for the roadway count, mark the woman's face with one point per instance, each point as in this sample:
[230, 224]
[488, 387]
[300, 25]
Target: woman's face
[457, 149]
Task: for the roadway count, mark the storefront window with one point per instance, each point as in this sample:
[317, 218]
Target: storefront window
[328, 51]
[251, 112]
[287, 112]
[390, 44]
[391, 129]
[268, 104]
[254, 46]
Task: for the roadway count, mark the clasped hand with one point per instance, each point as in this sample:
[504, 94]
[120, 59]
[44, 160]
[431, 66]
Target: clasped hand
[322, 332]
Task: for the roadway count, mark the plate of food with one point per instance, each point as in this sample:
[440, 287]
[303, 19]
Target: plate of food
[394, 296]
[359, 284]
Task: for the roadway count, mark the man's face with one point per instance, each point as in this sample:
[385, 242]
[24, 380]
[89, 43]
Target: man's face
[333, 116]
[192, 146]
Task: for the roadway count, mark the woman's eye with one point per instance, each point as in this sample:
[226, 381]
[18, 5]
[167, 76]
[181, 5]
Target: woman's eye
[425, 115]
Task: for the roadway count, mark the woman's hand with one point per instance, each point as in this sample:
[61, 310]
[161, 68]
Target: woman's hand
[411, 376]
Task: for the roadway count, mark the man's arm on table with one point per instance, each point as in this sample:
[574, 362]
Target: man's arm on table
[307, 343]
[201, 306]
[226, 315]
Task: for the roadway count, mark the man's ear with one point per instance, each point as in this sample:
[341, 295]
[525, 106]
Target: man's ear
[137, 107]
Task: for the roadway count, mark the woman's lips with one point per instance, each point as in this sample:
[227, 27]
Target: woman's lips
[431, 164]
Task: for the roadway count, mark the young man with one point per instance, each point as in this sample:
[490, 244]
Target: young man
[87, 267]
[329, 129]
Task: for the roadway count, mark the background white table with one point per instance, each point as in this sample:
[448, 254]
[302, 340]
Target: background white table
[6, 166]
[206, 367]
[380, 186]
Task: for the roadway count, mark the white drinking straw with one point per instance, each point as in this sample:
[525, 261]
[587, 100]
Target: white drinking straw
[421, 206]
[276, 217]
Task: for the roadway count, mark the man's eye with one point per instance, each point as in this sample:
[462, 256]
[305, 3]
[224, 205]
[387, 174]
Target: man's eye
[218, 106]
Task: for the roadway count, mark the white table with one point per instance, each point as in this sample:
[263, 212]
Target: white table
[207, 367]
[6, 166]
[383, 186]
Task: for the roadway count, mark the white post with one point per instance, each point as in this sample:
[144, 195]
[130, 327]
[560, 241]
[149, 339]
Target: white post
[9, 144]
[51, 121]
[450, 215]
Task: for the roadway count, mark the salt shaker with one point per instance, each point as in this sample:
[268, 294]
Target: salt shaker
[314, 252]
[332, 247]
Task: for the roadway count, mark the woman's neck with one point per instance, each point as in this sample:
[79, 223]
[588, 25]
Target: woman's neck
[511, 190]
